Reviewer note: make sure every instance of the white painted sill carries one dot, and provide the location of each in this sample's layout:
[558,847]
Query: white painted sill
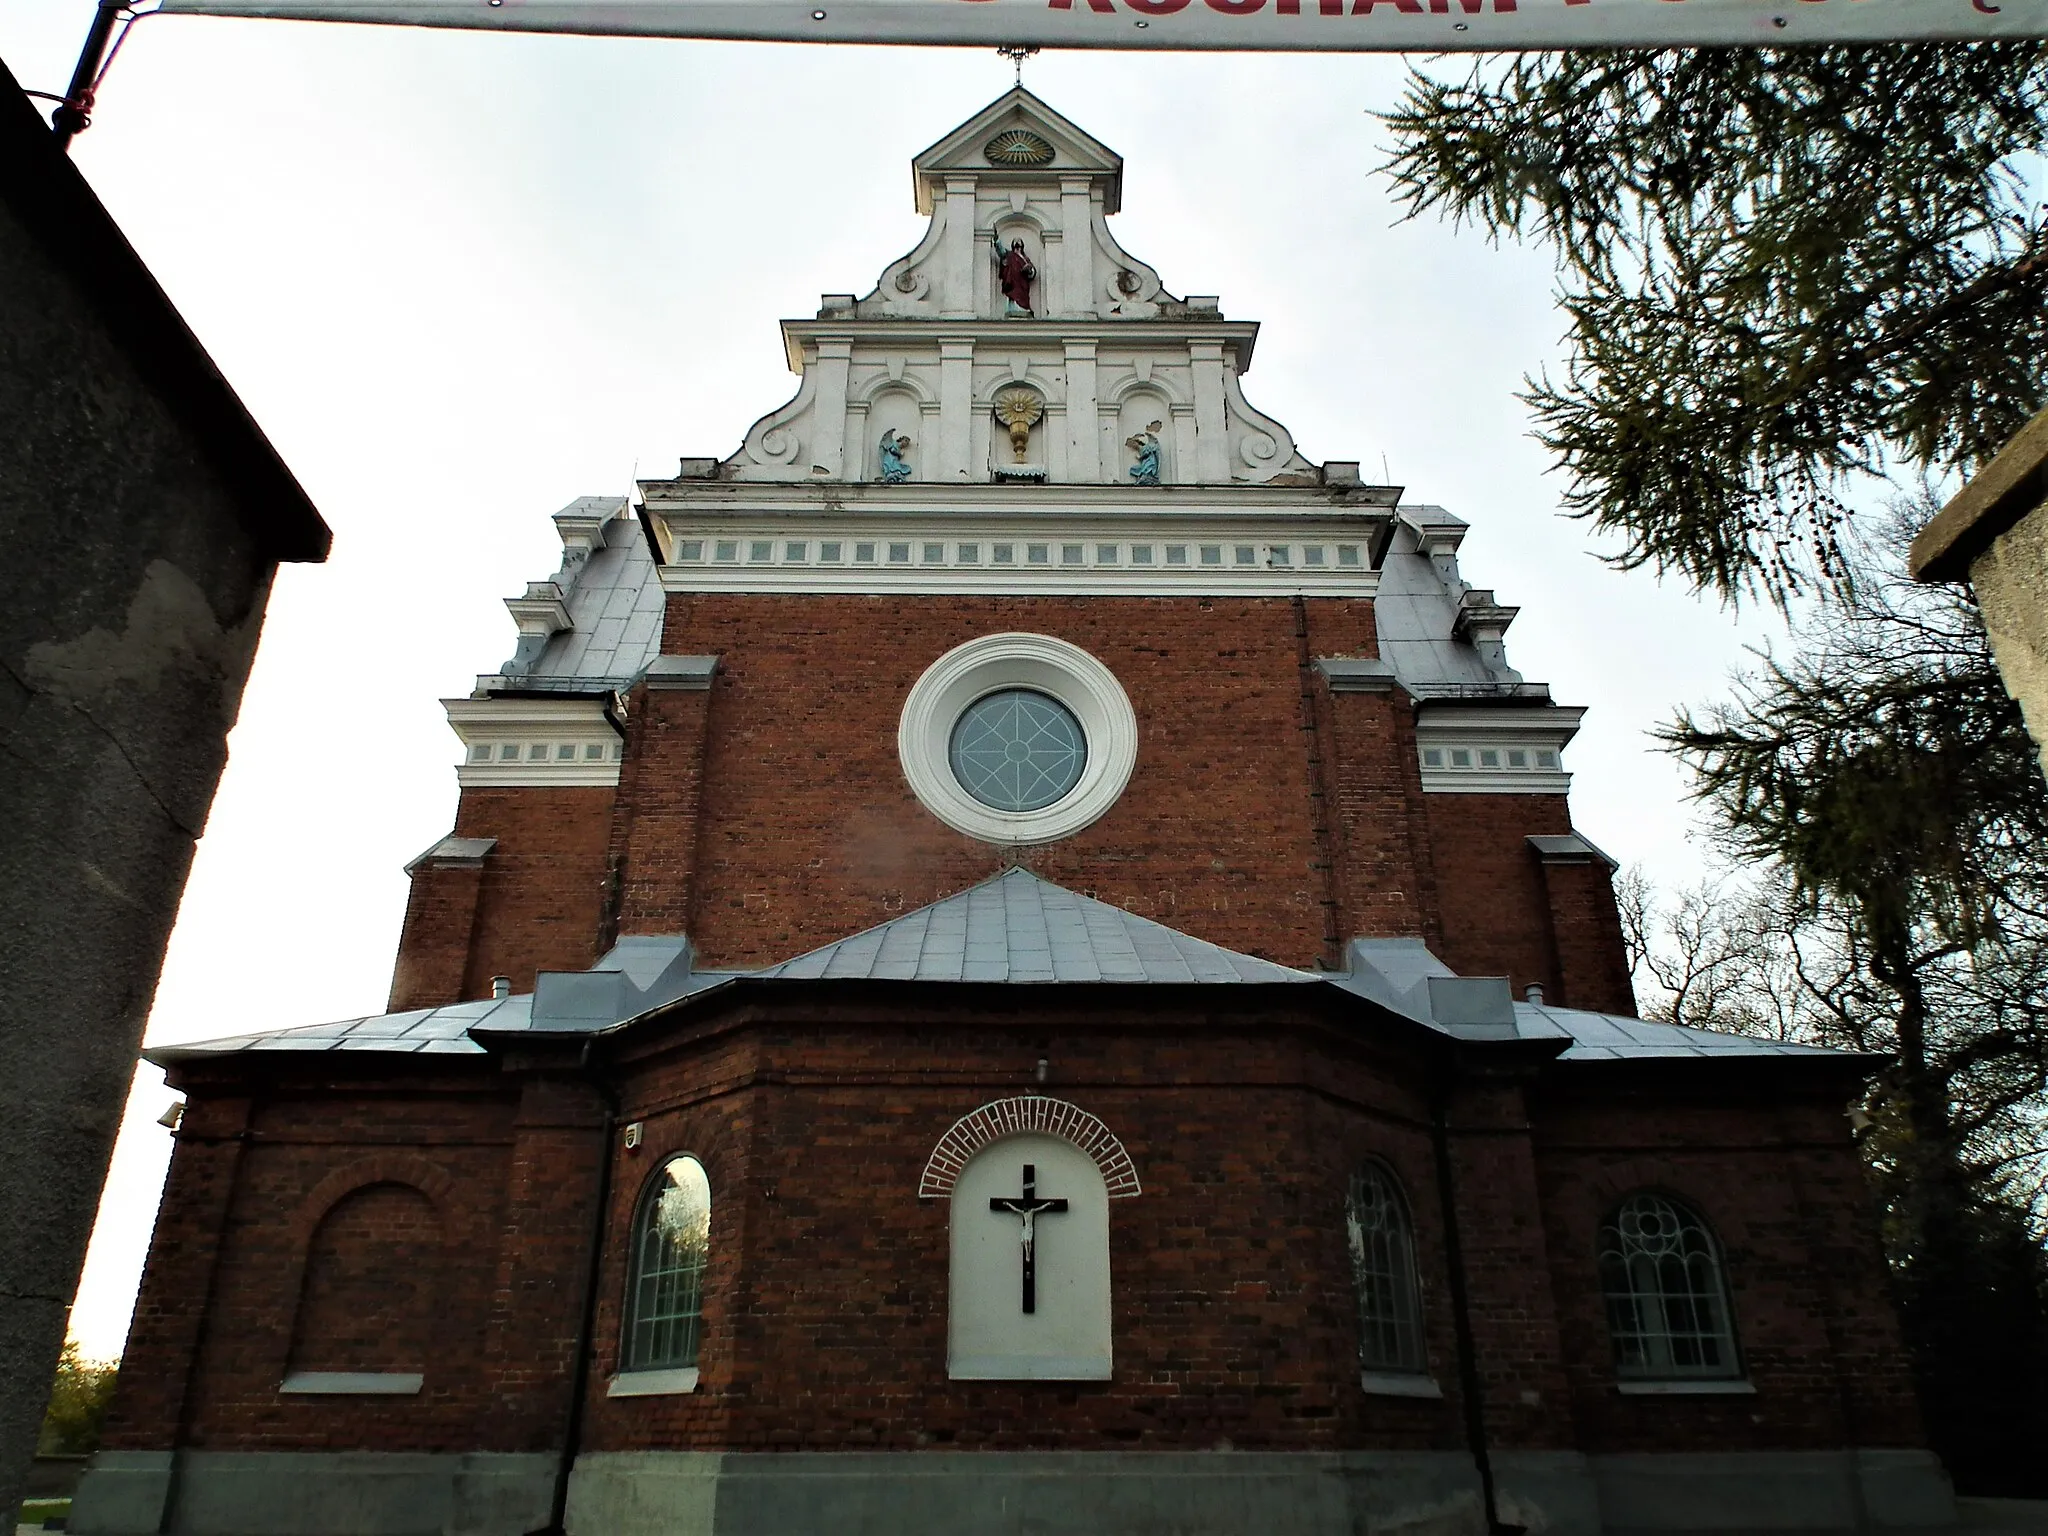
[1702,1388]
[653,1383]
[1398,1384]
[351,1384]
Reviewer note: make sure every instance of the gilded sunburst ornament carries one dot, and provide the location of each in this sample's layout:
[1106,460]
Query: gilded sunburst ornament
[1017,146]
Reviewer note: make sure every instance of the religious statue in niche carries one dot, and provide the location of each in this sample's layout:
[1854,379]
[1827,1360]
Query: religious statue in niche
[895,468]
[1146,446]
[1019,410]
[1016,275]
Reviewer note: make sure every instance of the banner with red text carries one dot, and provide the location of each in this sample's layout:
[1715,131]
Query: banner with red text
[1424,26]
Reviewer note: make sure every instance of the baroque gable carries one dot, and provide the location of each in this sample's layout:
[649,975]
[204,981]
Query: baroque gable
[939,375]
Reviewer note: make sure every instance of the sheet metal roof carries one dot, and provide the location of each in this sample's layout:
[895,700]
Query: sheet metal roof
[615,605]
[1019,928]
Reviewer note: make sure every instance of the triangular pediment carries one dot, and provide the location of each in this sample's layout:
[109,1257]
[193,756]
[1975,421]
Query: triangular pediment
[1075,151]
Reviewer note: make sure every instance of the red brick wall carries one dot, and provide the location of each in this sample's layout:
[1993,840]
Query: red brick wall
[1585,925]
[1495,909]
[373,1284]
[543,885]
[1779,1184]
[808,831]
[825,1310]
[439,931]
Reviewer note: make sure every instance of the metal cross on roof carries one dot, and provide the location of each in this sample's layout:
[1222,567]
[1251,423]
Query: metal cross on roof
[1017,53]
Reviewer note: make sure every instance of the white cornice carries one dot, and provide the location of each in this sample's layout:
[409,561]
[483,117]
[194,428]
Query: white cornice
[1479,749]
[1170,554]
[1050,333]
[534,742]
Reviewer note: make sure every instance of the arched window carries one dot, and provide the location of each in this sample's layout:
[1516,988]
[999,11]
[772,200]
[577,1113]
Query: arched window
[1667,1303]
[671,1244]
[1383,1264]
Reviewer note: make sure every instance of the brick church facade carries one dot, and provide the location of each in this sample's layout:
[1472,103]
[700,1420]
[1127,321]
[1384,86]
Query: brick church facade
[1013,958]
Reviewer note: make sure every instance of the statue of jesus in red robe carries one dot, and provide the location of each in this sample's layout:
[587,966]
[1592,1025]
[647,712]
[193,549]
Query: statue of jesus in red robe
[1015,273]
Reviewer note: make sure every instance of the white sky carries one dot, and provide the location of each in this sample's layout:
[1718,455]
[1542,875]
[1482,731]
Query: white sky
[462,278]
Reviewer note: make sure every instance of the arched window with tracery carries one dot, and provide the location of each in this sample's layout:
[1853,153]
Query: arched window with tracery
[671,1246]
[1382,1241]
[1667,1298]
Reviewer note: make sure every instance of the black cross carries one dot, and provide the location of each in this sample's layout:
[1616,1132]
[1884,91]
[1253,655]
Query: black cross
[1026,1208]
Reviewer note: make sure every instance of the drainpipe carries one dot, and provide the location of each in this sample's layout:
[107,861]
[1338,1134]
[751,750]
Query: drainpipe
[586,1328]
[1461,1310]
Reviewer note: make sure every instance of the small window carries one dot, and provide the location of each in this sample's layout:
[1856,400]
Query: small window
[1546,759]
[935,554]
[1460,758]
[690,549]
[593,752]
[969,554]
[1212,554]
[1246,554]
[671,1247]
[619,752]
[1105,554]
[761,550]
[863,552]
[565,752]
[1489,757]
[796,550]
[1312,554]
[1073,554]
[1003,554]
[1141,554]
[1347,554]
[1667,1300]
[1382,1242]
[728,549]
[1432,757]
[537,752]
[899,554]
[508,753]
[1176,554]
[479,754]
[1517,758]
[1038,554]
[1280,554]
[830,551]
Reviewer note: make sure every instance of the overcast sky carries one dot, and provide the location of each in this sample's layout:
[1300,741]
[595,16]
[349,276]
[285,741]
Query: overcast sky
[462,278]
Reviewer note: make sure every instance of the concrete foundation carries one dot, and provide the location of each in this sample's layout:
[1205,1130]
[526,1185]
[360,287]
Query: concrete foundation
[1224,1493]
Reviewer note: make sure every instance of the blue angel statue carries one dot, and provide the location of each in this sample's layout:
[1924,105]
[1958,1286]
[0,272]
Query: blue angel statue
[1146,470]
[895,469]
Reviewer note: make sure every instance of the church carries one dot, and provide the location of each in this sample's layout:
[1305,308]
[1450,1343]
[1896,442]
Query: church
[1013,958]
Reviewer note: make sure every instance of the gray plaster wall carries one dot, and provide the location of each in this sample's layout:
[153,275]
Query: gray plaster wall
[135,592]
[2011,582]
[314,1493]
[931,1493]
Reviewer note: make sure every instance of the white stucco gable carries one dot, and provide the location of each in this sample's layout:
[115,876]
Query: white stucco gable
[1102,373]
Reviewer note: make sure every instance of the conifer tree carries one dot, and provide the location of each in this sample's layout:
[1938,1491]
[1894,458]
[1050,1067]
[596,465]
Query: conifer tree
[1782,270]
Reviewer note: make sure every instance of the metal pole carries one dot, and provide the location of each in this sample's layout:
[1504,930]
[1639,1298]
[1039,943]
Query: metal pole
[75,115]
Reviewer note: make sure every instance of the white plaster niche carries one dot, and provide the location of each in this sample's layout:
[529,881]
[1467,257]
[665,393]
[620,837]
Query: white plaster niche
[1144,409]
[895,412]
[1008,228]
[1065,1337]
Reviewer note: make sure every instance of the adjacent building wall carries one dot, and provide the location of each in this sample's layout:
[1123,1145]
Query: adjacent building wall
[144,514]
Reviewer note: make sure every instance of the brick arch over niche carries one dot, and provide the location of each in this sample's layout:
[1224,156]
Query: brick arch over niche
[1011,1117]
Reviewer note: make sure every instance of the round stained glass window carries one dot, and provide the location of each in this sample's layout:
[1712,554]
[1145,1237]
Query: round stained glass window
[1018,750]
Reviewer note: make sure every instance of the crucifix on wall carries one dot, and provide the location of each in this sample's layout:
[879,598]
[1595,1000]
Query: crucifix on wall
[1027,1208]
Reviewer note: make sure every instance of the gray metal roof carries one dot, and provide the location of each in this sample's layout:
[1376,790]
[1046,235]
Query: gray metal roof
[1415,612]
[1019,928]
[1611,1037]
[615,605]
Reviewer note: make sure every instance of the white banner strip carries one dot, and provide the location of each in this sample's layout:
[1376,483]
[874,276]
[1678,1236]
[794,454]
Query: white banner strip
[1410,26]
